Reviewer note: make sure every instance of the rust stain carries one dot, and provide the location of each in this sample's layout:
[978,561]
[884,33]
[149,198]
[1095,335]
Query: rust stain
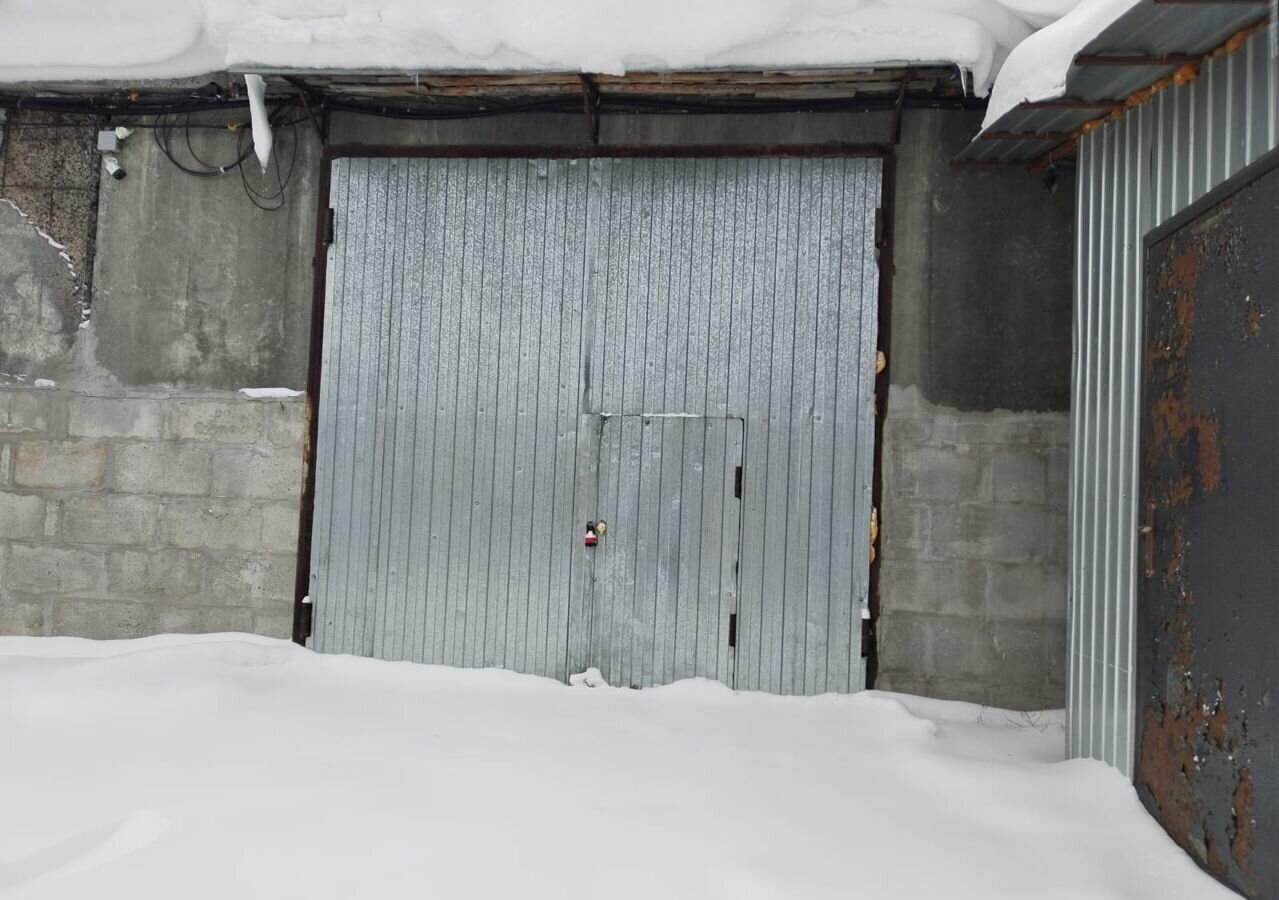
[1179,279]
[1252,317]
[1209,453]
[1244,837]
[1170,419]
[1173,421]
[1179,492]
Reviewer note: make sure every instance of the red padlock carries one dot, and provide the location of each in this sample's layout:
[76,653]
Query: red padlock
[591,538]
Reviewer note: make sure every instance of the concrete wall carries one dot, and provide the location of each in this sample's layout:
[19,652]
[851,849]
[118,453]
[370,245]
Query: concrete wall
[973,539]
[48,186]
[125,515]
[196,291]
[973,578]
[140,493]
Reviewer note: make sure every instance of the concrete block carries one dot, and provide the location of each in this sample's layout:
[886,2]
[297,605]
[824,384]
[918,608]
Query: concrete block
[101,619]
[201,619]
[1031,654]
[904,531]
[274,624]
[162,469]
[1009,430]
[114,417]
[262,581]
[43,569]
[222,421]
[172,574]
[1057,463]
[997,533]
[109,519]
[901,683]
[931,473]
[60,464]
[200,525]
[951,587]
[21,516]
[24,412]
[52,515]
[905,642]
[280,529]
[21,617]
[249,473]
[963,648]
[1020,475]
[286,423]
[901,431]
[966,690]
[1031,592]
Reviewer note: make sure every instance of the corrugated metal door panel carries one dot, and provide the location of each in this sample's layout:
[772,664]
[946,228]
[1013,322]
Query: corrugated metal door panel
[449,398]
[1136,173]
[665,569]
[779,329]
[477,307]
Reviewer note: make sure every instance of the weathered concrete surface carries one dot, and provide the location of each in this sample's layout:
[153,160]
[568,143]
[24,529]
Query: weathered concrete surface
[973,578]
[48,194]
[194,286]
[39,296]
[116,520]
[981,298]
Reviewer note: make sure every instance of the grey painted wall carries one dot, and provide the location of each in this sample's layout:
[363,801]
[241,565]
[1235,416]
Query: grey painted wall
[195,291]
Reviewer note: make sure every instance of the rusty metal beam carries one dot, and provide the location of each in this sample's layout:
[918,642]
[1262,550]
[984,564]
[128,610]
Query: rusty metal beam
[1070,103]
[1138,60]
[1036,136]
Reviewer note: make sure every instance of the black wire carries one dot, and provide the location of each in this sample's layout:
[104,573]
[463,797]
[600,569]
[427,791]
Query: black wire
[272,200]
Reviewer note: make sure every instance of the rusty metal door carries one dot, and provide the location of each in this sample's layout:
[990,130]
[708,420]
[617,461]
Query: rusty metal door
[1208,613]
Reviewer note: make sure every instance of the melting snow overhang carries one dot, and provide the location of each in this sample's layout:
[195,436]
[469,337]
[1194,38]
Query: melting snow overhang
[1153,42]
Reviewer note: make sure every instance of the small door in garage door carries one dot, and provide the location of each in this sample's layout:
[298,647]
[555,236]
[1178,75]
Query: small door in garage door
[664,592]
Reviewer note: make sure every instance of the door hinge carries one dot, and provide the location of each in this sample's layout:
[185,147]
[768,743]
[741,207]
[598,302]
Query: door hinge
[330,223]
[737,482]
[879,228]
[732,629]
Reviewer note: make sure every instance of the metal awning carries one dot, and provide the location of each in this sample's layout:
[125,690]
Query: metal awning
[1147,44]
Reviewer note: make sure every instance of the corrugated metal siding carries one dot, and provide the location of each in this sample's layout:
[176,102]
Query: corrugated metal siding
[483,314]
[1135,173]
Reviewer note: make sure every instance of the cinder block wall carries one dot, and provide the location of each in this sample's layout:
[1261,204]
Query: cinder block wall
[974,570]
[122,516]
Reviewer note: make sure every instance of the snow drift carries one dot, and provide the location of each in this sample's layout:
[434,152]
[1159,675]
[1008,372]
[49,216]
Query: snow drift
[234,766]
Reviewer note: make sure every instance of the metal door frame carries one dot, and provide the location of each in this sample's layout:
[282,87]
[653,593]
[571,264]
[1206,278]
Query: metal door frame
[885,151]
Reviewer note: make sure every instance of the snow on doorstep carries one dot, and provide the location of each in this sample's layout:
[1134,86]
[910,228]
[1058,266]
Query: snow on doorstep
[269,393]
[1037,68]
[235,766]
[71,39]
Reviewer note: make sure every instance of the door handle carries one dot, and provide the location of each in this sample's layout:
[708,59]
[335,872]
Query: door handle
[1147,531]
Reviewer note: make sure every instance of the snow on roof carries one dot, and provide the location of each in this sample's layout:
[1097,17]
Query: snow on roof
[48,40]
[1037,68]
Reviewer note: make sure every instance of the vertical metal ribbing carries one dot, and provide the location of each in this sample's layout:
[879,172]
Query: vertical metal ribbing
[1135,173]
[460,439]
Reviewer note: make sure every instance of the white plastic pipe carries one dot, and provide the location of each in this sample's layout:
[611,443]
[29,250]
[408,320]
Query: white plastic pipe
[258,121]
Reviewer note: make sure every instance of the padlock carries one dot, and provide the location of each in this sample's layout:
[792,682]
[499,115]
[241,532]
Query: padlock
[591,538]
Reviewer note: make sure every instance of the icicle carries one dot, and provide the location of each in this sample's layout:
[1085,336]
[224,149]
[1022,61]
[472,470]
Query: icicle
[258,119]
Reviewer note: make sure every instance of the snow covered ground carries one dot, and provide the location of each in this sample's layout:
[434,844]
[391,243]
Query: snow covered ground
[237,767]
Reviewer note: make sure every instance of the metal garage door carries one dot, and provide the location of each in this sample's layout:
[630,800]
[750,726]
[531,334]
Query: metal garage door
[514,348]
